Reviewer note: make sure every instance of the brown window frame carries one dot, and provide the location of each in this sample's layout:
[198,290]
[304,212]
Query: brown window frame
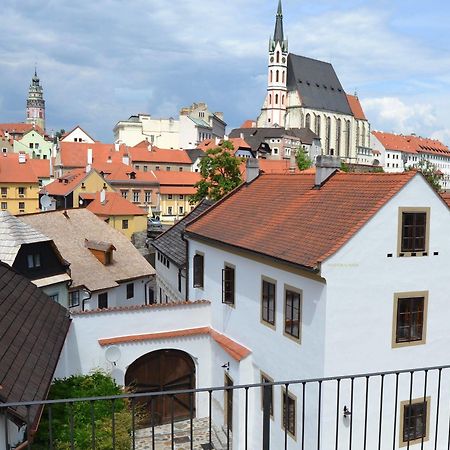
[289,322]
[417,435]
[416,233]
[228,285]
[130,290]
[287,408]
[198,270]
[268,301]
[266,379]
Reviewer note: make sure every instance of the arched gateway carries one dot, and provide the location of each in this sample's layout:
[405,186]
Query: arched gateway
[164,370]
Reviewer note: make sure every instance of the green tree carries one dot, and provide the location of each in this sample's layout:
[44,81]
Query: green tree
[430,172]
[303,160]
[220,172]
[97,384]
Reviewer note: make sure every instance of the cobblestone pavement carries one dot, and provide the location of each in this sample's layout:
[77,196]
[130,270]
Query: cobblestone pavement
[181,436]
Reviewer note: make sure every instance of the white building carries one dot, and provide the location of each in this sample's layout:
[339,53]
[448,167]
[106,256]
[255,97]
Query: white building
[304,92]
[195,123]
[400,152]
[77,135]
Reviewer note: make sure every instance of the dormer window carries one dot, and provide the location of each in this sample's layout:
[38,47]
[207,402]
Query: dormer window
[34,261]
[103,251]
[132,175]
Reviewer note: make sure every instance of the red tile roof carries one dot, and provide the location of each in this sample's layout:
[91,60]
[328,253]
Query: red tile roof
[173,178]
[21,128]
[248,124]
[117,171]
[67,183]
[325,218]
[141,153]
[115,205]
[238,143]
[41,167]
[74,154]
[411,143]
[235,350]
[356,107]
[11,171]
[446,197]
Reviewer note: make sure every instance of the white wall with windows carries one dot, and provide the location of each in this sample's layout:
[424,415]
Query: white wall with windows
[170,280]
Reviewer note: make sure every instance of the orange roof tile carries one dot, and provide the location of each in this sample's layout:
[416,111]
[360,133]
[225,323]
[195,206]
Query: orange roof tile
[177,178]
[41,167]
[446,197]
[178,190]
[235,350]
[141,153]
[411,143]
[11,171]
[325,218]
[115,205]
[20,128]
[356,107]
[238,143]
[117,171]
[67,183]
[74,154]
[248,124]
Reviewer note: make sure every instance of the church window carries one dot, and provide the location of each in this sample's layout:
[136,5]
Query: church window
[308,121]
[271,76]
[318,126]
[338,137]
[363,137]
[278,57]
[276,99]
[282,75]
[347,139]
[357,134]
[277,76]
[270,99]
[282,100]
[328,135]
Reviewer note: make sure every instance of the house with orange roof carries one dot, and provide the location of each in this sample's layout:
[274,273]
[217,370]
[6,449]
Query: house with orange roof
[175,189]
[117,211]
[19,184]
[6,143]
[67,191]
[241,148]
[307,270]
[35,144]
[17,130]
[399,152]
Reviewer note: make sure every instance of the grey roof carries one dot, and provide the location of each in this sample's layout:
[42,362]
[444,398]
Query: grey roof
[171,242]
[13,234]
[195,153]
[317,84]
[69,235]
[255,136]
[278,35]
[33,329]
[200,122]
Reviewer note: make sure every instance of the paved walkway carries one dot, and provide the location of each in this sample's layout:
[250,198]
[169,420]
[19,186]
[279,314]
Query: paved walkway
[182,439]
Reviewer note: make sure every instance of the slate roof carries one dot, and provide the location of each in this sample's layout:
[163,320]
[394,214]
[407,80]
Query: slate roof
[317,84]
[13,234]
[171,242]
[33,329]
[195,153]
[69,233]
[298,224]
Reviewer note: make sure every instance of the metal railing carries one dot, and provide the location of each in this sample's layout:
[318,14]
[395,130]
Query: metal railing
[386,410]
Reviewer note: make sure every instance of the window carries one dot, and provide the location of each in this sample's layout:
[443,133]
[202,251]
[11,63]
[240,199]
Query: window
[267,379]
[288,412]
[268,302]
[124,193]
[292,313]
[21,191]
[308,121]
[125,224]
[21,206]
[34,261]
[156,167]
[181,197]
[180,169]
[410,311]
[169,210]
[145,168]
[136,196]
[148,196]
[74,299]
[228,285]
[103,300]
[168,168]
[4,191]
[130,290]
[170,196]
[198,270]
[4,205]
[413,233]
[180,210]
[415,421]
[54,297]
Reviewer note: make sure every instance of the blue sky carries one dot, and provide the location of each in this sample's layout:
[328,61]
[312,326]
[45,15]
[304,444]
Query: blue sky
[102,61]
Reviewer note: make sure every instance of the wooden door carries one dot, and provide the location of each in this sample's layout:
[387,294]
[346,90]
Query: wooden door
[160,371]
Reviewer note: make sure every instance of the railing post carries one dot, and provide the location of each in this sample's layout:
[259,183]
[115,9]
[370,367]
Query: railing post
[267,401]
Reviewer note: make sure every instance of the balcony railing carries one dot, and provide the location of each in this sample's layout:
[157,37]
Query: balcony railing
[389,410]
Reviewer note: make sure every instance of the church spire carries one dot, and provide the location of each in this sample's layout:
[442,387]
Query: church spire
[278,35]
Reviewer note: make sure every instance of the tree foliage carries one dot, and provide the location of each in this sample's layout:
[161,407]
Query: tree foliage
[303,160]
[220,172]
[96,384]
[430,172]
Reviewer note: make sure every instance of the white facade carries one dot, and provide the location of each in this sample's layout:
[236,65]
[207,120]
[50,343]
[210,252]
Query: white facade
[170,281]
[78,135]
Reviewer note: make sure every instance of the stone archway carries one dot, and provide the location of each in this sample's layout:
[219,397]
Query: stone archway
[160,371]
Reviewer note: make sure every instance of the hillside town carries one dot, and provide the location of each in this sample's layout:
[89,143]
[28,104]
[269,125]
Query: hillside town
[298,302]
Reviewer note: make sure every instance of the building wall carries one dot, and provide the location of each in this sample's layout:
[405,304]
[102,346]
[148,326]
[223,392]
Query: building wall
[147,166]
[136,224]
[78,135]
[167,280]
[13,199]
[59,289]
[34,145]
[174,207]
[127,191]
[15,434]
[93,183]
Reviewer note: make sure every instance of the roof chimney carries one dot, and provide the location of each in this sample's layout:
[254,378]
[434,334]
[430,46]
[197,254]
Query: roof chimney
[22,158]
[241,135]
[251,169]
[126,159]
[116,146]
[103,196]
[89,156]
[109,160]
[325,167]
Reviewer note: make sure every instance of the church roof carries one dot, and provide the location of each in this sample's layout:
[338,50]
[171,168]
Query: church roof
[356,107]
[317,84]
[278,35]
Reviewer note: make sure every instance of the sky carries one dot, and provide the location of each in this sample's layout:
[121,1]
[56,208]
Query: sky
[102,61]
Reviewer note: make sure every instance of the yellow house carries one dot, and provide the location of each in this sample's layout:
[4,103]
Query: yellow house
[19,185]
[68,190]
[120,213]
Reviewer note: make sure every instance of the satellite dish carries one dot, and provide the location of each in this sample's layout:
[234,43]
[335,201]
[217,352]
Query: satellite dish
[45,201]
[112,354]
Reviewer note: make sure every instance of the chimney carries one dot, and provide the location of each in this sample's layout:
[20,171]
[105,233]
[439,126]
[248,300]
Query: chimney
[109,160]
[88,168]
[251,169]
[103,196]
[241,135]
[116,146]
[22,158]
[325,167]
[126,159]
[150,147]
[89,156]
[292,163]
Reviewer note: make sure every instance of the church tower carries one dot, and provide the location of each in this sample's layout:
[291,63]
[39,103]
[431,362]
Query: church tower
[36,103]
[274,110]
